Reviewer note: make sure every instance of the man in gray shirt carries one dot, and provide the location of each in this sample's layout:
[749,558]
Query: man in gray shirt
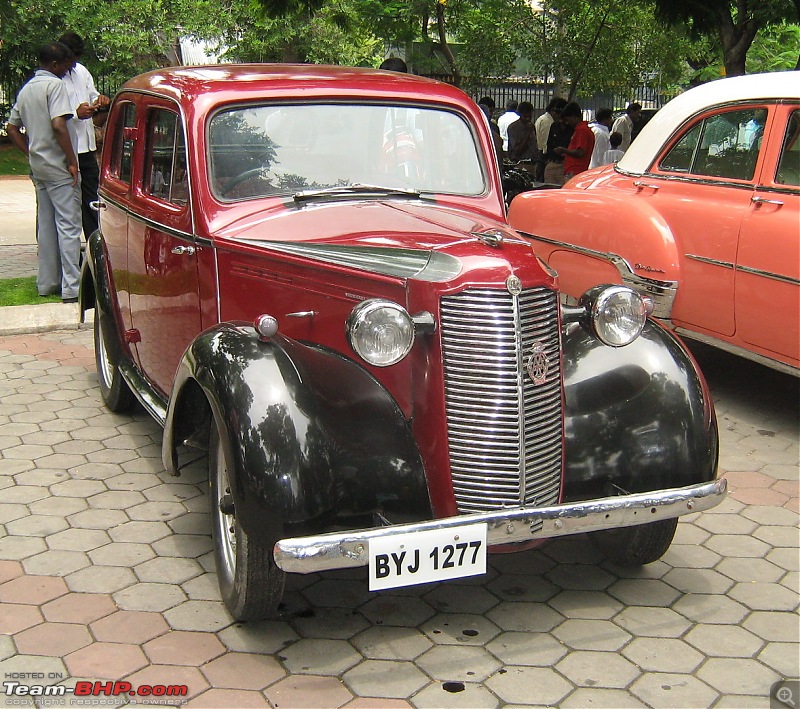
[44,109]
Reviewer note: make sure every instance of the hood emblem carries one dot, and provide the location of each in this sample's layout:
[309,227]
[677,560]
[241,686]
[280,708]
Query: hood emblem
[538,364]
[490,237]
[514,285]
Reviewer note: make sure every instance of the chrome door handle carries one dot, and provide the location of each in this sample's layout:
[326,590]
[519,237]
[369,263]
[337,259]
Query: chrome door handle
[183,250]
[97,205]
[763,200]
[641,185]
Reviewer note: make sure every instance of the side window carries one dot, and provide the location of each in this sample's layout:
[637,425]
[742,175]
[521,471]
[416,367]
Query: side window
[165,160]
[724,145]
[789,165]
[122,159]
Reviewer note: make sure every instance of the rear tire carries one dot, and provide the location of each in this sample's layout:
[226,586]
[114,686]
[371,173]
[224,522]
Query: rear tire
[635,546]
[116,394]
[249,581]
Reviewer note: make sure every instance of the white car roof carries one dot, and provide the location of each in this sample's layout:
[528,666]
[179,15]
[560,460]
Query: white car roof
[780,84]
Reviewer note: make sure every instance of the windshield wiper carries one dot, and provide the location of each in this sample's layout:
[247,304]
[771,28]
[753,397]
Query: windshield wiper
[356,190]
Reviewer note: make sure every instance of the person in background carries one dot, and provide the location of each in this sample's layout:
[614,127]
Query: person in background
[44,110]
[624,124]
[506,120]
[394,64]
[487,105]
[521,135]
[601,126]
[579,151]
[542,127]
[559,137]
[91,108]
[613,154]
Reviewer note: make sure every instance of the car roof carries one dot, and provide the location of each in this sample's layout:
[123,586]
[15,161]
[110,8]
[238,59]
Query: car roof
[753,87]
[220,83]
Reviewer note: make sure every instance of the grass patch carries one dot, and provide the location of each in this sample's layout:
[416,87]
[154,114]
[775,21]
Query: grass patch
[12,161]
[22,291]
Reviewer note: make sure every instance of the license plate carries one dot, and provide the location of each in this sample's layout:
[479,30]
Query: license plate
[422,557]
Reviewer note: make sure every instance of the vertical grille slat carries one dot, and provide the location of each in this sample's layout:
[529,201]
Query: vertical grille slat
[505,445]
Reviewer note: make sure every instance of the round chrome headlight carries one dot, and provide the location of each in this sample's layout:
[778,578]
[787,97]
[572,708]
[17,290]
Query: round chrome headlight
[617,314]
[380,332]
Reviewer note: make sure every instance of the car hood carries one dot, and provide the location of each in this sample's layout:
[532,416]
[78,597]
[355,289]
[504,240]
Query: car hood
[407,239]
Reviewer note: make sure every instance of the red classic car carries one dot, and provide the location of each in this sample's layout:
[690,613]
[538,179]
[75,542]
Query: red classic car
[305,275]
[702,213]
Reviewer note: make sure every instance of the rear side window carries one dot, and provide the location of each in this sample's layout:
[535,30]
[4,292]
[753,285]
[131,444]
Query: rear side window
[122,159]
[165,160]
[789,165]
[726,144]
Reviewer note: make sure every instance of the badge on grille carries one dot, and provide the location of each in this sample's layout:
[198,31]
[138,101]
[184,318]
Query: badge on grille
[538,364]
[514,285]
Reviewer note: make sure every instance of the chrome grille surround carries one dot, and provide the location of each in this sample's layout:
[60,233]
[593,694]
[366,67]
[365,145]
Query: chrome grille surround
[504,432]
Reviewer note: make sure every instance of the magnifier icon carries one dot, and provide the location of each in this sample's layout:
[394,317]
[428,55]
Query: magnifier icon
[784,695]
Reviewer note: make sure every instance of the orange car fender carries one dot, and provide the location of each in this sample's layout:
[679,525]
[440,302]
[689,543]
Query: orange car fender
[599,236]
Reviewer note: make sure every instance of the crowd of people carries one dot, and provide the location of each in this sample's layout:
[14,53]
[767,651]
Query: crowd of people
[560,143]
[53,122]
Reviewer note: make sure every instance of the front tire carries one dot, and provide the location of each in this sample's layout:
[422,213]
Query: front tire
[250,583]
[116,394]
[635,546]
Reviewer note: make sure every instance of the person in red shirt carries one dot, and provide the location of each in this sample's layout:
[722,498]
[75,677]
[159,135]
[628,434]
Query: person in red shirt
[579,152]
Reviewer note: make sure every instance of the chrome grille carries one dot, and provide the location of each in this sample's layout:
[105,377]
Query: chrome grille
[504,431]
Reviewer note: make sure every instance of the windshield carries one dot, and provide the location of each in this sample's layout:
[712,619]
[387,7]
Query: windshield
[257,151]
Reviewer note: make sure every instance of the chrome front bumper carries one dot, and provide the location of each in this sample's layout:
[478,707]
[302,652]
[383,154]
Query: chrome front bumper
[344,550]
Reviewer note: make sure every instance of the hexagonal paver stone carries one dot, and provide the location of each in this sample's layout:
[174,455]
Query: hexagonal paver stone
[778,626]
[452,663]
[78,608]
[391,643]
[673,691]
[518,649]
[100,579]
[55,639]
[759,570]
[724,641]
[187,546]
[36,525]
[150,597]
[598,669]
[691,556]
[16,548]
[663,655]
[449,695]
[705,608]
[652,622]
[32,589]
[266,636]
[334,623]
[519,588]
[644,592]
[737,545]
[141,532]
[764,596]
[319,657]
[737,675]
[389,609]
[591,635]
[781,657]
[532,617]
[78,539]
[97,519]
[56,563]
[698,581]
[198,615]
[129,626]
[596,605]
[308,691]
[460,598]
[18,616]
[105,660]
[385,679]
[51,667]
[156,511]
[340,593]
[529,685]
[600,698]
[172,675]
[121,554]
[457,629]
[243,670]
[184,648]
[580,577]
[168,569]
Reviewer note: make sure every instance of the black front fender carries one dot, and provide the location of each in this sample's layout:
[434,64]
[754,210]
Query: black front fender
[306,432]
[638,418]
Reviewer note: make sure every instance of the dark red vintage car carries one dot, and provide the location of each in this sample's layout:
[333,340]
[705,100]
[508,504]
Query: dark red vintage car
[306,274]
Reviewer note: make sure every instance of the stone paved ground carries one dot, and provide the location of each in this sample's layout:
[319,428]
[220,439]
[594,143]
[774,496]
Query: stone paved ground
[106,573]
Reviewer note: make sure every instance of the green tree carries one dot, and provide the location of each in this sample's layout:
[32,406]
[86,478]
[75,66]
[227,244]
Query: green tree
[734,23]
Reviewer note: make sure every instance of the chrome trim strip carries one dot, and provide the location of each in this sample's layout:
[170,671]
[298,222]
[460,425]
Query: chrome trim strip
[662,292]
[150,222]
[523,463]
[144,392]
[769,274]
[341,550]
[711,261]
[418,264]
[739,352]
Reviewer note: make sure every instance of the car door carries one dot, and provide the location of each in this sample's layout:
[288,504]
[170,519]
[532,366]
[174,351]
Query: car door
[162,260]
[702,184]
[768,261]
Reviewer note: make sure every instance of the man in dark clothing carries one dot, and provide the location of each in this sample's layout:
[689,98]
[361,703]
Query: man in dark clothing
[559,137]
[522,136]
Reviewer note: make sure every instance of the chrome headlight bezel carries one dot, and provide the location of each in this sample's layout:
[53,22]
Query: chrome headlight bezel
[362,326]
[615,314]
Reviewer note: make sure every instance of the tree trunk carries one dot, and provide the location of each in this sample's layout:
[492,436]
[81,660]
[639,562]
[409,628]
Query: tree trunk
[736,40]
[443,46]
